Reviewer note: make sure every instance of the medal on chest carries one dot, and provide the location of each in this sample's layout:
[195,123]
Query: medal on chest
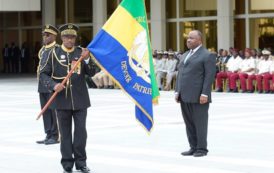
[78,68]
[63,58]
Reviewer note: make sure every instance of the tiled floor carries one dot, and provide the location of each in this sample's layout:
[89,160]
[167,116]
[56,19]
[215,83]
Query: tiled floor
[241,134]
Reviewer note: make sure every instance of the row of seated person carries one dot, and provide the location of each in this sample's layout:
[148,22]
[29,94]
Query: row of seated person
[165,66]
[261,84]
[102,80]
[251,74]
[248,74]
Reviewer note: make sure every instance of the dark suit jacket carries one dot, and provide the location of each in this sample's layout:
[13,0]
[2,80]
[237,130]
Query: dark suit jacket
[195,77]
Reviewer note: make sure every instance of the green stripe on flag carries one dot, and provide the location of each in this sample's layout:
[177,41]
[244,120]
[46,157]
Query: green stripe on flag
[138,11]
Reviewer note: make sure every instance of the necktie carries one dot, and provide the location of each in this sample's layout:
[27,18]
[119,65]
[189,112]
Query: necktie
[188,55]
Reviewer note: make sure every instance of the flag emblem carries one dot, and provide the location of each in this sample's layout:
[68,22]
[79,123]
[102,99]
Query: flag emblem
[122,49]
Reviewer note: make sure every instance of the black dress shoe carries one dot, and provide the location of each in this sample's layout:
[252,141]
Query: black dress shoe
[111,87]
[51,141]
[199,153]
[189,152]
[42,141]
[84,169]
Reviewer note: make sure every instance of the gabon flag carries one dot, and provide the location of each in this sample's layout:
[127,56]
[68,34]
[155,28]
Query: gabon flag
[122,49]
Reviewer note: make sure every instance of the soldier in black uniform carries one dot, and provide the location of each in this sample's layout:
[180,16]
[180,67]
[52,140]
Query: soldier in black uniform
[49,118]
[72,100]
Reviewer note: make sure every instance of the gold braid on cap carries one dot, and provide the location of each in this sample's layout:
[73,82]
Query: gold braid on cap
[50,31]
[69,32]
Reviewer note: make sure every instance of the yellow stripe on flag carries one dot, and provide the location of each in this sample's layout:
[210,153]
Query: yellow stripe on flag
[123,27]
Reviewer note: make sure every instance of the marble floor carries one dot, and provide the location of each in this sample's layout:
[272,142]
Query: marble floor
[240,138]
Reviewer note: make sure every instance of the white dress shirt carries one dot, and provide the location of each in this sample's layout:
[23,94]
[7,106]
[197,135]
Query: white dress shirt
[247,64]
[171,65]
[233,64]
[272,67]
[264,66]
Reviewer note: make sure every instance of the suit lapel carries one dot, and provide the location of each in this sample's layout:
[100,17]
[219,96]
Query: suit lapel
[193,56]
[183,58]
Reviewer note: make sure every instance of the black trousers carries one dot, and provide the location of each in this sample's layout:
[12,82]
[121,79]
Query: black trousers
[73,149]
[49,118]
[196,120]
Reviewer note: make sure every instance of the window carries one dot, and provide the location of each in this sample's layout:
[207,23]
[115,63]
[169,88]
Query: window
[239,31]
[171,41]
[208,29]
[31,18]
[196,8]
[11,19]
[239,7]
[80,11]
[262,6]
[262,33]
[60,12]
[33,39]
[171,8]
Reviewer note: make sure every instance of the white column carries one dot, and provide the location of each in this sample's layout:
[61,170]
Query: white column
[48,12]
[247,30]
[19,30]
[99,14]
[158,24]
[225,24]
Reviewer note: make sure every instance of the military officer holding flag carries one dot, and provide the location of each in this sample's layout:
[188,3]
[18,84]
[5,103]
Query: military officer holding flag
[72,99]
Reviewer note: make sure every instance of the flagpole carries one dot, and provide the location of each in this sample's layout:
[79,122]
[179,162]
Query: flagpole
[63,83]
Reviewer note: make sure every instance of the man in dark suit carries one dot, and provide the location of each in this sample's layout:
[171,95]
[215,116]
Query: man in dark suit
[24,58]
[193,91]
[14,55]
[49,117]
[6,58]
[72,100]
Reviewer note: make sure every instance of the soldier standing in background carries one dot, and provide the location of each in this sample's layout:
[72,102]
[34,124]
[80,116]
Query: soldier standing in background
[24,58]
[14,55]
[49,117]
[6,58]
